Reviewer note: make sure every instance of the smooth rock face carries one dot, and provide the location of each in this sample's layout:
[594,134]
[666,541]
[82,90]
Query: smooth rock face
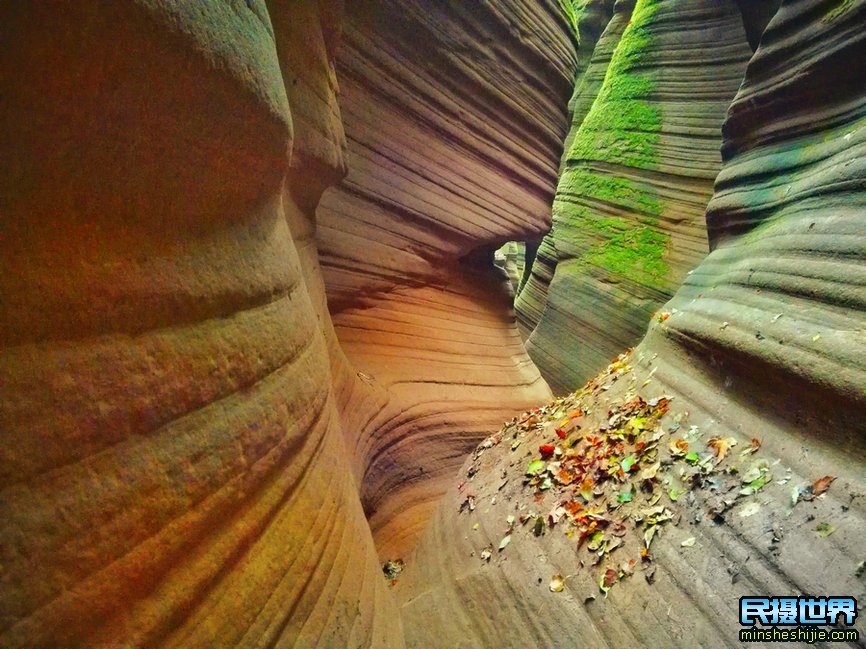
[765,340]
[186,452]
[455,116]
[628,213]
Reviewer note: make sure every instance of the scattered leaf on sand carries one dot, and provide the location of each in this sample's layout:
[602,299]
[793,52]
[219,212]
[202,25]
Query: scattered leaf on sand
[679,447]
[822,484]
[535,467]
[824,530]
[392,569]
[586,488]
[756,477]
[504,542]
[721,445]
[689,542]
[607,580]
[648,535]
[486,553]
[625,496]
[538,527]
[557,584]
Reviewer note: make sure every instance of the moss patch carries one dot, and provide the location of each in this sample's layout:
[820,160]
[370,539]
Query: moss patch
[622,127]
[837,9]
[636,253]
[615,190]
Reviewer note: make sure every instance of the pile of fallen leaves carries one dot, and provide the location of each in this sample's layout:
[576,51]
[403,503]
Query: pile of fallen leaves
[620,470]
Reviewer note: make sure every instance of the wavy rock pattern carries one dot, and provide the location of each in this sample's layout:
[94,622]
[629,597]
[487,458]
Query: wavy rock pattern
[628,213]
[186,448]
[455,116]
[532,300]
[171,459]
[765,339]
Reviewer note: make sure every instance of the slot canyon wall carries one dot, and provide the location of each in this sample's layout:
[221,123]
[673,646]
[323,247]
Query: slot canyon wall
[638,170]
[250,327]
[765,340]
[455,115]
[191,447]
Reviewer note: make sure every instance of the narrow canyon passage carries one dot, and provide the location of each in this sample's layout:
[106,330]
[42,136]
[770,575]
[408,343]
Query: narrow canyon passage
[507,323]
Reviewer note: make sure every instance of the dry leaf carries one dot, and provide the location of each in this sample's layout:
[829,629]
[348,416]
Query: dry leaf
[822,484]
[721,445]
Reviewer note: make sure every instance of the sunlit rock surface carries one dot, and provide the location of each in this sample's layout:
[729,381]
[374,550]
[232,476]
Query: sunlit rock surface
[764,340]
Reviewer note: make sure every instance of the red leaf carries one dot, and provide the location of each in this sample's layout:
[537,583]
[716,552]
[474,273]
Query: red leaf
[561,434]
[822,484]
[546,450]
[609,577]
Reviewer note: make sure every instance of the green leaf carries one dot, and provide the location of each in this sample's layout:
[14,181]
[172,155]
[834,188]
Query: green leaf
[535,467]
[824,530]
[595,541]
[628,462]
[504,542]
[692,458]
[626,496]
[673,494]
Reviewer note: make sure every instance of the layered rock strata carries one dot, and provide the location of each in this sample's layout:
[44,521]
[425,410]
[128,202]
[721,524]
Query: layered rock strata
[455,117]
[628,213]
[763,341]
[184,443]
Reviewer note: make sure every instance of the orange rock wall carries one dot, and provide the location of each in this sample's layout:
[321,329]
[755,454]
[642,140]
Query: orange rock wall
[455,117]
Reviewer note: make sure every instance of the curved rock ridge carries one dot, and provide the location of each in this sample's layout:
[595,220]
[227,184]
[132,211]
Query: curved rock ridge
[532,299]
[454,115]
[172,469]
[763,341]
[628,213]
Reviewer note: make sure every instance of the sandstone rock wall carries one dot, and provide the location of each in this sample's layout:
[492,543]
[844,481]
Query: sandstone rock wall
[455,115]
[172,459]
[628,213]
[764,340]
[184,444]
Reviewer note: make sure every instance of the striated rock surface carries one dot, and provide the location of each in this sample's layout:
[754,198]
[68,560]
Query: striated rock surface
[455,116]
[764,340]
[628,213]
[172,469]
[190,447]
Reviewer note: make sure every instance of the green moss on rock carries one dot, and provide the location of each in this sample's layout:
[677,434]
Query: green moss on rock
[622,126]
[637,254]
